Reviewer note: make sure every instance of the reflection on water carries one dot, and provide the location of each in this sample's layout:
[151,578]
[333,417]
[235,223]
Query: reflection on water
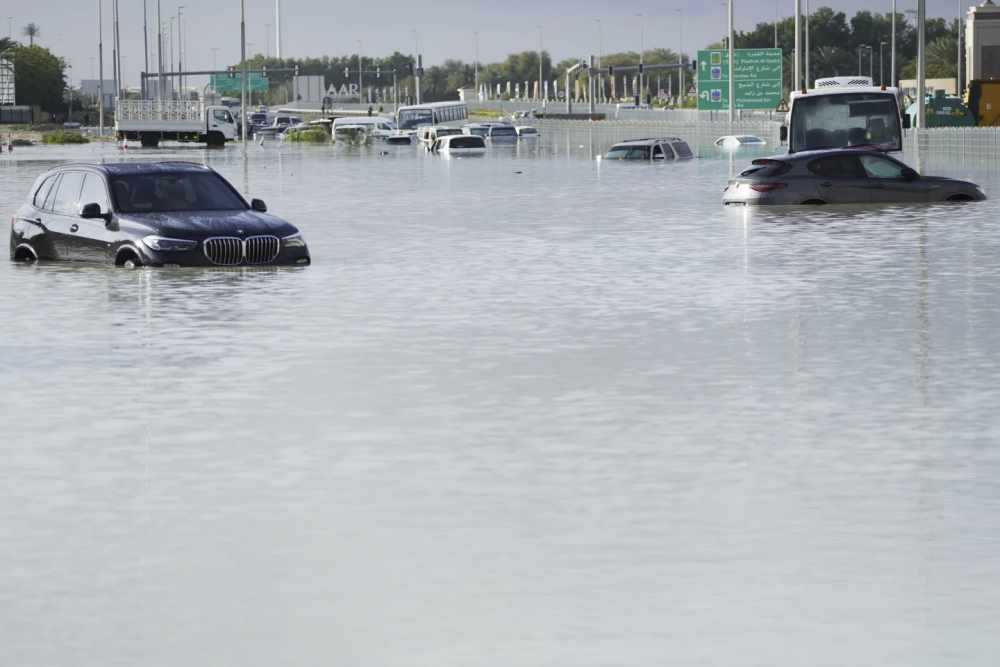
[527,409]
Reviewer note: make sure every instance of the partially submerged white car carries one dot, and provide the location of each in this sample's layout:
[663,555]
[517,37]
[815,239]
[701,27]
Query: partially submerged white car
[738,140]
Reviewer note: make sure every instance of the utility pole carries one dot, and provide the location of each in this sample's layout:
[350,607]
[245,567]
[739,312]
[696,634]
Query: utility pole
[732,79]
[159,53]
[805,52]
[180,52]
[359,73]
[243,75]
[540,94]
[277,28]
[114,47]
[267,40]
[145,53]
[641,50]
[775,23]
[958,29]
[798,47]
[680,60]
[892,58]
[921,64]
[881,64]
[477,62]
[861,49]
[100,57]
[600,54]
[871,66]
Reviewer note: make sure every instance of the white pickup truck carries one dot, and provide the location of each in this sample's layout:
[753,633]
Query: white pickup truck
[152,121]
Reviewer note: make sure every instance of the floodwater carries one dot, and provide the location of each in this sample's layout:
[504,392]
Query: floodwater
[523,410]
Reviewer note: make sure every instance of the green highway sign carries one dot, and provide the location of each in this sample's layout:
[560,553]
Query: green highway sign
[757,80]
[224,84]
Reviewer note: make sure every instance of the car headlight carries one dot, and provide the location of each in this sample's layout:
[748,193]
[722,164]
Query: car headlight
[293,241]
[167,245]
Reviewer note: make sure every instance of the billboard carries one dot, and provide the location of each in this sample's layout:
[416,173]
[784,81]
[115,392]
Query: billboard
[308,89]
[6,80]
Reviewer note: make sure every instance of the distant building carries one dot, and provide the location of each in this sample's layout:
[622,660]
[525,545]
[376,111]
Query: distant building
[468,94]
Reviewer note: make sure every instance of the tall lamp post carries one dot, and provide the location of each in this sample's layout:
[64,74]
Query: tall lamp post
[600,54]
[861,49]
[9,35]
[267,40]
[180,56]
[680,59]
[871,61]
[359,73]
[540,94]
[881,64]
[641,50]
[477,64]
[958,29]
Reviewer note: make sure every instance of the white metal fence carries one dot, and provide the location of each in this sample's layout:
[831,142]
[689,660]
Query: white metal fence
[159,110]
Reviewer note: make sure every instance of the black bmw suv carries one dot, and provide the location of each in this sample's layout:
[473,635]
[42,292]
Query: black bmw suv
[162,214]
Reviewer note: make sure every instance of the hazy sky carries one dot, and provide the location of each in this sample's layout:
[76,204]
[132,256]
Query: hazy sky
[316,28]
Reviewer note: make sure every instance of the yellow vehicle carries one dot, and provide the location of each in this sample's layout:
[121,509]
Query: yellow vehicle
[982,97]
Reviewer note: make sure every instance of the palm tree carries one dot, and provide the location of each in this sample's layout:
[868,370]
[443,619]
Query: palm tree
[6,44]
[436,80]
[828,61]
[31,31]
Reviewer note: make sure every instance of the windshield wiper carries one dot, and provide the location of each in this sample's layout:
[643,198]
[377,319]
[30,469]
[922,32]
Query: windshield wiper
[867,143]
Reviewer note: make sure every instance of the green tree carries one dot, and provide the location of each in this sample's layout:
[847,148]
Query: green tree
[435,83]
[827,61]
[942,56]
[38,77]
[7,44]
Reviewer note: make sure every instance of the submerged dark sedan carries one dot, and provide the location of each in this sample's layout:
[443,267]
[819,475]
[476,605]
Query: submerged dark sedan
[169,214]
[842,176]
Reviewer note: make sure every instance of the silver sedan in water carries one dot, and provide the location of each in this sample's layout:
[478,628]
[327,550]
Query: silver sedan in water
[847,176]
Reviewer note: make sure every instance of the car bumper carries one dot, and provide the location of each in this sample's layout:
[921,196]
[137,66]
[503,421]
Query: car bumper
[197,258]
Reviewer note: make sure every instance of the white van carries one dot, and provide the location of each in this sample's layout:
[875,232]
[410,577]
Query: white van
[428,134]
[376,126]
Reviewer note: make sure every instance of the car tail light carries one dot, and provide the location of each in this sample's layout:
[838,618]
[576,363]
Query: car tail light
[767,187]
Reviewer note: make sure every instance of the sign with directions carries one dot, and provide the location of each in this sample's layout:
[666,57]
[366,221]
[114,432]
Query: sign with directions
[757,79]
[223,84]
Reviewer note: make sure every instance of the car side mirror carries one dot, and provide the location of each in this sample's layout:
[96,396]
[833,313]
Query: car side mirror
[910,175]
[258,205]
[93,211]
[906,121]
[783,133]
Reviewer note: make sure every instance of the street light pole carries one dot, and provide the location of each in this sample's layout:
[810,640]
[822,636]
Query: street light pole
[243,75]
[892,57]
[861,49]
[881,64]
[9,34]
[277,29]
[805,51]
[540,94]
[641,50]
[145,52]
[267,40]
[100,57]
[732,79]
[871,66]
[798,48]
[477,63]
[958,30]
[359,73]
[600,53]
[180,58]
[680,59]
[159,53]
[215,67]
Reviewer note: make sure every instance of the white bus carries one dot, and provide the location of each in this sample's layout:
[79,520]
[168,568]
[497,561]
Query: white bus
[436,113]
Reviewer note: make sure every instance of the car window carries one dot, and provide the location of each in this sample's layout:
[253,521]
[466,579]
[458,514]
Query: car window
[161,193]
[628,153]
[94,192]
[658,153]
[68,193]
[51,197]
[682,149]
[881,167]
[767,168]
[838,166]
[223,115]
[43,191]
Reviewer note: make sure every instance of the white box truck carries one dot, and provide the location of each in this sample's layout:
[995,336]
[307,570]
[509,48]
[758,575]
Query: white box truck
[151,121]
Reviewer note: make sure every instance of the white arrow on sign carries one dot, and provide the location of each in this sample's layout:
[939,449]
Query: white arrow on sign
[703,65]
[704,95]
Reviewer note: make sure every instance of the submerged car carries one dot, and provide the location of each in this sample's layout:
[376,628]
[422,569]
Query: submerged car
[459,144]
[654,150]
[530,132]
[737,140]
[842,176]
[169,214]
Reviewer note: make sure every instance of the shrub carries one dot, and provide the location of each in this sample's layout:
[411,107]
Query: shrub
[314,135]
[63,137]
[356,138]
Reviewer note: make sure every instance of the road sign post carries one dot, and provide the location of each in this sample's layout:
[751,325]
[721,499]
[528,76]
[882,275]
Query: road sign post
[757,79]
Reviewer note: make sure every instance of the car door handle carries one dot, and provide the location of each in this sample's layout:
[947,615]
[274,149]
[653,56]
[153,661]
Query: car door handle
[74,227]
[826,184]
[880,186]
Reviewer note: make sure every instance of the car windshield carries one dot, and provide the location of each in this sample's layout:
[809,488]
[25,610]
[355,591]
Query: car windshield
[449,131]
[411,118]
[749,140]
[163,193]
[628,153]
[504,132]
[854,119]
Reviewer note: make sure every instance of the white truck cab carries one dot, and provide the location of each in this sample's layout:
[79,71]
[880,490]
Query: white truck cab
[845,111]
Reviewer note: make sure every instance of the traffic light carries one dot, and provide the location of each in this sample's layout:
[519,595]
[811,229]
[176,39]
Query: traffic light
[694,65]
[649,98]
[611,70]
[296,70]
[264,71]
[378,72]
[347,72]
[640,68]
[232,72]
[410,68]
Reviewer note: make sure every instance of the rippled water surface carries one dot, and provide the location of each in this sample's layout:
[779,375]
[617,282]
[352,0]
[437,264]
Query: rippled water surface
[528,409]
